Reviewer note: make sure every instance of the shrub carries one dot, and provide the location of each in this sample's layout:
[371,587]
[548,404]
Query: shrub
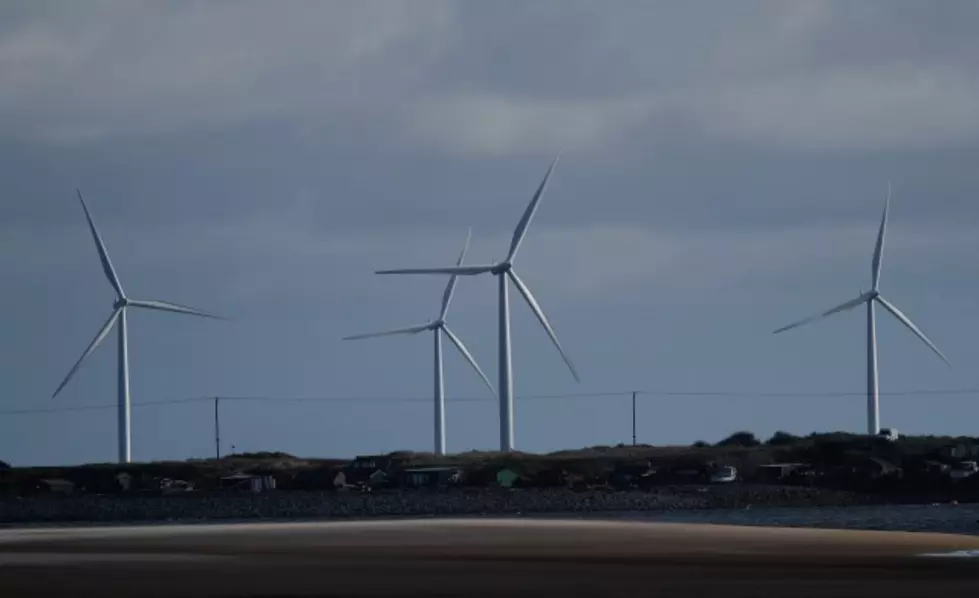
[781,438]
[742,438]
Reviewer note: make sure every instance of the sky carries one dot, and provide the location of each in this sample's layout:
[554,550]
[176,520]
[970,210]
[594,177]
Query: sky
[723,173]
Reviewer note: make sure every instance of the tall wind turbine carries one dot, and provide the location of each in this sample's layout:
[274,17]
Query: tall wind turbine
[870,298]
[504,270]
[119,308]
[437,328]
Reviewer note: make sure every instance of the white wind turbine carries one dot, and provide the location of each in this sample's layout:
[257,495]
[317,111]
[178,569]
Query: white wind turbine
[870,298]
[504,270]
[119,308]
[437,328]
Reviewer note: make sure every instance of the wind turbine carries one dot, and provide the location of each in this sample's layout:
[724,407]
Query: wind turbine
[119,308]
[504,270]
[438,327]
[870,298]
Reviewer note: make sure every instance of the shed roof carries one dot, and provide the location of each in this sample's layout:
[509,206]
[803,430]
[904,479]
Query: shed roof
[433,469]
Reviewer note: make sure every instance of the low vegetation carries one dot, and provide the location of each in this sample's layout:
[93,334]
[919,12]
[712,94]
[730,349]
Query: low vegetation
[837,457]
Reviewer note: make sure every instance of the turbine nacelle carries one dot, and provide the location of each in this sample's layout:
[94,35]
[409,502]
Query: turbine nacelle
[501,268]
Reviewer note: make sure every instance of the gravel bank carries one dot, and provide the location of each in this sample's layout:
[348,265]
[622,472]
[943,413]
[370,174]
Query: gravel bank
[329,505]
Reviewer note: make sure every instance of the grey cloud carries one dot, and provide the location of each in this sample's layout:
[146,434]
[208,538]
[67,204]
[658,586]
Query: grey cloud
[505,77]
[846,109]
[136,68]
[805,75]
[364,119]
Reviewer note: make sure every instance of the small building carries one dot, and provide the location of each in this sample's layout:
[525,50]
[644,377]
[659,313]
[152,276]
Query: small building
[432,477]
[875,468]
[631,475]
[373,478]
[961,451]
[371,463]
[723,474]
[890,434]
[686,474]
[125,481]
[926,467]
[377,479]
[243,482]
[778,472]
[56,486]
[371,471]
[506,477]
[169,486]
[322,477]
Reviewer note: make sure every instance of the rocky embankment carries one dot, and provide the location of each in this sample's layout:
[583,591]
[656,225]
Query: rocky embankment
[324,505]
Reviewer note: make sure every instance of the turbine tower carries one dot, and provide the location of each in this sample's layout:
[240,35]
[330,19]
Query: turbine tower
[119,308]
[870,298]
[438,327]
[504,271]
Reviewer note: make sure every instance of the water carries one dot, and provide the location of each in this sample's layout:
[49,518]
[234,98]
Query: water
[944,518]
[951,519]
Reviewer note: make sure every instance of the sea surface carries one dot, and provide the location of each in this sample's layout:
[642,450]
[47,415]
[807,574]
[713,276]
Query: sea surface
[942,518]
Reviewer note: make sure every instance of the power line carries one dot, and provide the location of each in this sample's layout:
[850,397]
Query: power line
[555,397]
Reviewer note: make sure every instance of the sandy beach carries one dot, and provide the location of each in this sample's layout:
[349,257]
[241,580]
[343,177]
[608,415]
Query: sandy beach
[493,557]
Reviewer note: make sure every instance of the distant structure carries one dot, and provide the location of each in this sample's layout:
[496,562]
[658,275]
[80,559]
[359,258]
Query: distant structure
[504,270]
[119,315]
[438,327]
[869,299]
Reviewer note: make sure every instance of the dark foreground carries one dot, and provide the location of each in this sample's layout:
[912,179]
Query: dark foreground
[474,558]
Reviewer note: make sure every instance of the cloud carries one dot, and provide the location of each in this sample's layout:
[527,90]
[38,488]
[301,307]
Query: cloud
[887,108]
[137,68]
[501,79]
[905,108]
[508,125]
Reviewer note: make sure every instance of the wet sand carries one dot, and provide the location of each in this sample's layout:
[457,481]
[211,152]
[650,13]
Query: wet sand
[493,557]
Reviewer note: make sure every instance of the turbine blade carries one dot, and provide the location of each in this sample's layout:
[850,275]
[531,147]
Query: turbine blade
[879,248]
[91,347]
[911,326]
[529,297]
[458,270]
[465,353]
[451,287]
[411,330]
[110,272]
[528,215]
[173,307]
[842,307]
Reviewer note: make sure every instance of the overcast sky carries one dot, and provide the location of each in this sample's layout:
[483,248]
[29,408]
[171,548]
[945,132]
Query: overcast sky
[724,170]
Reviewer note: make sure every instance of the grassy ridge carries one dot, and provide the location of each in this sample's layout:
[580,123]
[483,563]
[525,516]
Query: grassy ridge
[826,452]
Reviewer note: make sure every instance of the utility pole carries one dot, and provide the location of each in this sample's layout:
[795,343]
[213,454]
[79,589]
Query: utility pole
[217,428]
[633,418]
